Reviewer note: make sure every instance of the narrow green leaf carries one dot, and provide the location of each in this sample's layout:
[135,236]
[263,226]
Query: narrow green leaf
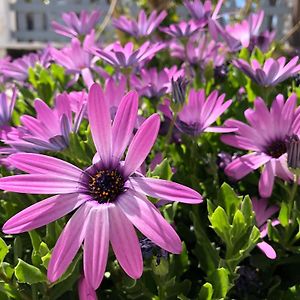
[206,292]
[26,273]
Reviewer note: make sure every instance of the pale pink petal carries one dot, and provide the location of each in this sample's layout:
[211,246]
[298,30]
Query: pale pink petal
[68,243]
[43,164]
[267,250]
[100,122]
[43,213]
[96,244]
[141,144]
[125,243]
[124,122]
[164,189]
[38,184]
[144,215]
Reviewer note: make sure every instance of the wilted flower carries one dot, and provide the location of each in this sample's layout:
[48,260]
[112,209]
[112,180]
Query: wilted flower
[200,112]
[126,57]
[143,27]
[77,26]
[271,73]
[48,131]
[153,83]
[262,213]
[109,197]
[265,137]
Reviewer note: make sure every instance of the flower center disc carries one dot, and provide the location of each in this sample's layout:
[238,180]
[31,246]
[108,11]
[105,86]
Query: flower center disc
[276,149]
[106,185]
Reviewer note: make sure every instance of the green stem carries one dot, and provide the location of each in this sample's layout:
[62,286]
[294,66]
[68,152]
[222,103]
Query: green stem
[291,206]
[170,131]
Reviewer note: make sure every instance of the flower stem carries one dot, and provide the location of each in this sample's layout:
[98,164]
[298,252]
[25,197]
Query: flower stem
[171,127]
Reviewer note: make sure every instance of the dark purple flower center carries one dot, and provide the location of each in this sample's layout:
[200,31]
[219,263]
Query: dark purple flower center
[276,148]
[106,185]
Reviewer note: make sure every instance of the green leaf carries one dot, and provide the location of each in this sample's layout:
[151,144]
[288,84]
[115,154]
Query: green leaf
[206,292]
[4,249]
[220,224]
[163,170]
[284,214]
[26,273]
[220,282]
[228,199]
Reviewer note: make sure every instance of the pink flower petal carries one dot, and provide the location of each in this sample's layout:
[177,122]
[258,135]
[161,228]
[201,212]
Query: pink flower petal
[124,123]
[267,250]
[125,243]
[100,122]
[164,189]
[42,213]
[96,245]
[42,164]
[38,184]
[266,181]
[85,291]
[68,243]
[144,215]
[141,144]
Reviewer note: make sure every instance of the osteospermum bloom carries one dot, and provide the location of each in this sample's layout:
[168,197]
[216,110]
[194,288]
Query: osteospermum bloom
[271,72]
[153,83]
[109,196]
[200,112]
[265,137]
[49,130]
[183,29]
[198,10]
[263,212]
[126,57]
[143,26]
[77,26]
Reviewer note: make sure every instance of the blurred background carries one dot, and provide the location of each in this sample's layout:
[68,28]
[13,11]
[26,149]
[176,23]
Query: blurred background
[26,24]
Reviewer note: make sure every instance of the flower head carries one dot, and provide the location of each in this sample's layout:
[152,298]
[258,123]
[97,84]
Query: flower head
[126,57]
[198,10]
[152,83]
[77,26]
[265,137]
[109,196]
[271,73]
[200,112]
[143,27]
[183,29]
[48,131]
[262,213]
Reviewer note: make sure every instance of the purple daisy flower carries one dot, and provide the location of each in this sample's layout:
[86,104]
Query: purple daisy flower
[126,57]
[143,27]
[18,68]
[109,197]
[183,29]
[77,26]
[152,83]
[200,112]
[48,131]
[266,138]
[76,59]
[271,73]
[198,10]
[263,212]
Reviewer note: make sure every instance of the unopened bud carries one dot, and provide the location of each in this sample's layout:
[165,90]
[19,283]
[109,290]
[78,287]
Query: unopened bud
[179,90]
[293,152]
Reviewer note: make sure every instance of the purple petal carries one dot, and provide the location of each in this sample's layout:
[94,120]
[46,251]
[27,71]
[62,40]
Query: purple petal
[68,243]
[96,245]
[141,144]
[38,184]
[100,122]
[237,169]
[148,220]
[124,123]
[85,291]
[125,243]
[42,164]
[164,189]
[267,250]
[42,213]
[266,181]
